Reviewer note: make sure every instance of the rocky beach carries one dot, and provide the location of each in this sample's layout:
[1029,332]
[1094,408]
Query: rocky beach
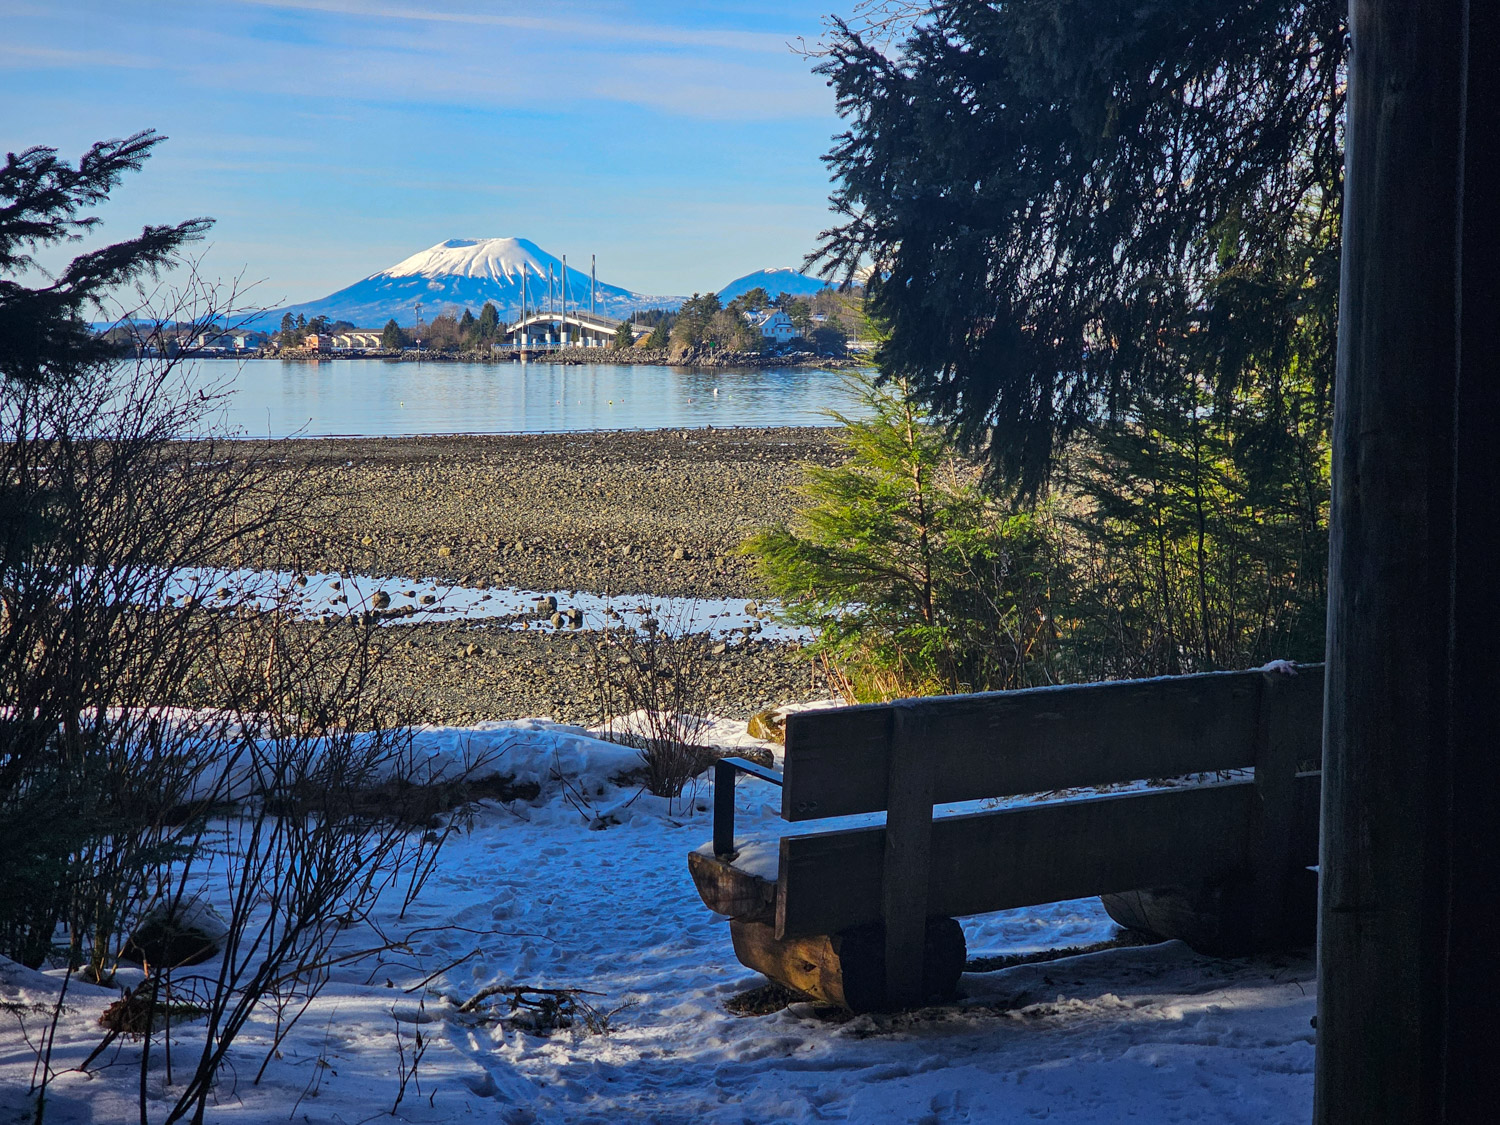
[621,514]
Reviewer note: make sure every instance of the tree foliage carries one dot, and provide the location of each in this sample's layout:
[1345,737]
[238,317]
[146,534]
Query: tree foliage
[752,300]
[660,335]
[1198,533]
[1062,199]
[703,322]
[488,329]
[44,333]
[916,580]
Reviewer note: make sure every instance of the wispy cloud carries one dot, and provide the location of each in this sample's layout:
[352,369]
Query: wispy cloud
[384,52]
[580,26]
[36,56]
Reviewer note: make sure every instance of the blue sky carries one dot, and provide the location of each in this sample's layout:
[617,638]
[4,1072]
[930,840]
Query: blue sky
[332,138]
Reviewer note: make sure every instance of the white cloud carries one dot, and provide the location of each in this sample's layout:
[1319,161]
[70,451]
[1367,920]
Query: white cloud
[381,51]
[586,27]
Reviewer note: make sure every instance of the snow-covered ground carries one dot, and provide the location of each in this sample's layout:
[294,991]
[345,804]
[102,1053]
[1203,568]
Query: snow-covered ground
[587,887]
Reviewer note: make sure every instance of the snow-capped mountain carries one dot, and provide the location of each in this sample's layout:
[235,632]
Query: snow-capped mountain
[465,273]
[774,281]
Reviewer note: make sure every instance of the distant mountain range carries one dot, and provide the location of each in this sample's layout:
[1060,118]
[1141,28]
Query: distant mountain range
[467,272]
[775,282]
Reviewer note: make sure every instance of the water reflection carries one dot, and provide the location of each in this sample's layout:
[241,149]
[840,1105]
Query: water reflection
[382,398]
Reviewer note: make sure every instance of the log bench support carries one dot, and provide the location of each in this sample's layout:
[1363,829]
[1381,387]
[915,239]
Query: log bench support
[849,969]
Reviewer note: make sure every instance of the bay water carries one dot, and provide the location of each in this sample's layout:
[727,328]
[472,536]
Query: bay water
[385,398]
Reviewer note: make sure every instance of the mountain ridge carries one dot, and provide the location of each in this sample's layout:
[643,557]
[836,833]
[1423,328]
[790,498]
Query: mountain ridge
[465,273]
[775,280]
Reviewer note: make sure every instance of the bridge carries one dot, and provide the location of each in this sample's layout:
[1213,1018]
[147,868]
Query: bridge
[545,329]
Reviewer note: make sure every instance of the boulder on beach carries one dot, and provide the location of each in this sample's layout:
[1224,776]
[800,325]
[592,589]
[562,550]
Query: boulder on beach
[768,725]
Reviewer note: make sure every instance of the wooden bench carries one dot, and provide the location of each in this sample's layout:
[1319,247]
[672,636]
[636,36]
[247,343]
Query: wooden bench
[864,916]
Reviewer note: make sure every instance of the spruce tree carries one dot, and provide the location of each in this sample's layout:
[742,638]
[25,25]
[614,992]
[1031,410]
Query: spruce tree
[489,322]
[1052,194]
[915,581]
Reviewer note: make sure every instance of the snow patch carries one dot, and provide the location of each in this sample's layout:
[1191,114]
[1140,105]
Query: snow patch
[555,895]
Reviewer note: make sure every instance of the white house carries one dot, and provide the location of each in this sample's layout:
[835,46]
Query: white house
[776,325]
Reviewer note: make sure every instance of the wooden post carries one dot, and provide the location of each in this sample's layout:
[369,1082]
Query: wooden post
[1271,827]
[724,809]
[908,852]
[1410,855]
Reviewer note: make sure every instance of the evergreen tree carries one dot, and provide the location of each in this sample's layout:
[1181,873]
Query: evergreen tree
[1200,531]
[392,339]
[623,337]
[660,335]
[750,301]
[468,329]
[914,579]
[489,323]
[690,328]
[44,334]
[1052,192]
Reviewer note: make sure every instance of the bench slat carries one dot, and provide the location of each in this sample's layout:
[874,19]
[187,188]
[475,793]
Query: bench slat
[1041,740]
[1038,853]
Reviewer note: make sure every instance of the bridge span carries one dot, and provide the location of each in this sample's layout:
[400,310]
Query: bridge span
[576,328]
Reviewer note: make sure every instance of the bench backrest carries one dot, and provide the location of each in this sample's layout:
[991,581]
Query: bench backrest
[905,757]
[1002,744]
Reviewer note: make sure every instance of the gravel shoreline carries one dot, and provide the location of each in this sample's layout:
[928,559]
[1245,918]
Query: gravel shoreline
[615,513]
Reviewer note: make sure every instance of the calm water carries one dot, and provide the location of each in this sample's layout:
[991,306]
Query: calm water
[376,398]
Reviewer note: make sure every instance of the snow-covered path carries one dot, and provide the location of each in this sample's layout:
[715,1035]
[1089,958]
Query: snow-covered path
[535,895]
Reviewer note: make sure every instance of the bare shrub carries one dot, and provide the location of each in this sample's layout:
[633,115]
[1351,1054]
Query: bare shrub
[308,854]
[651,687]
[162,745]
[103,507]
